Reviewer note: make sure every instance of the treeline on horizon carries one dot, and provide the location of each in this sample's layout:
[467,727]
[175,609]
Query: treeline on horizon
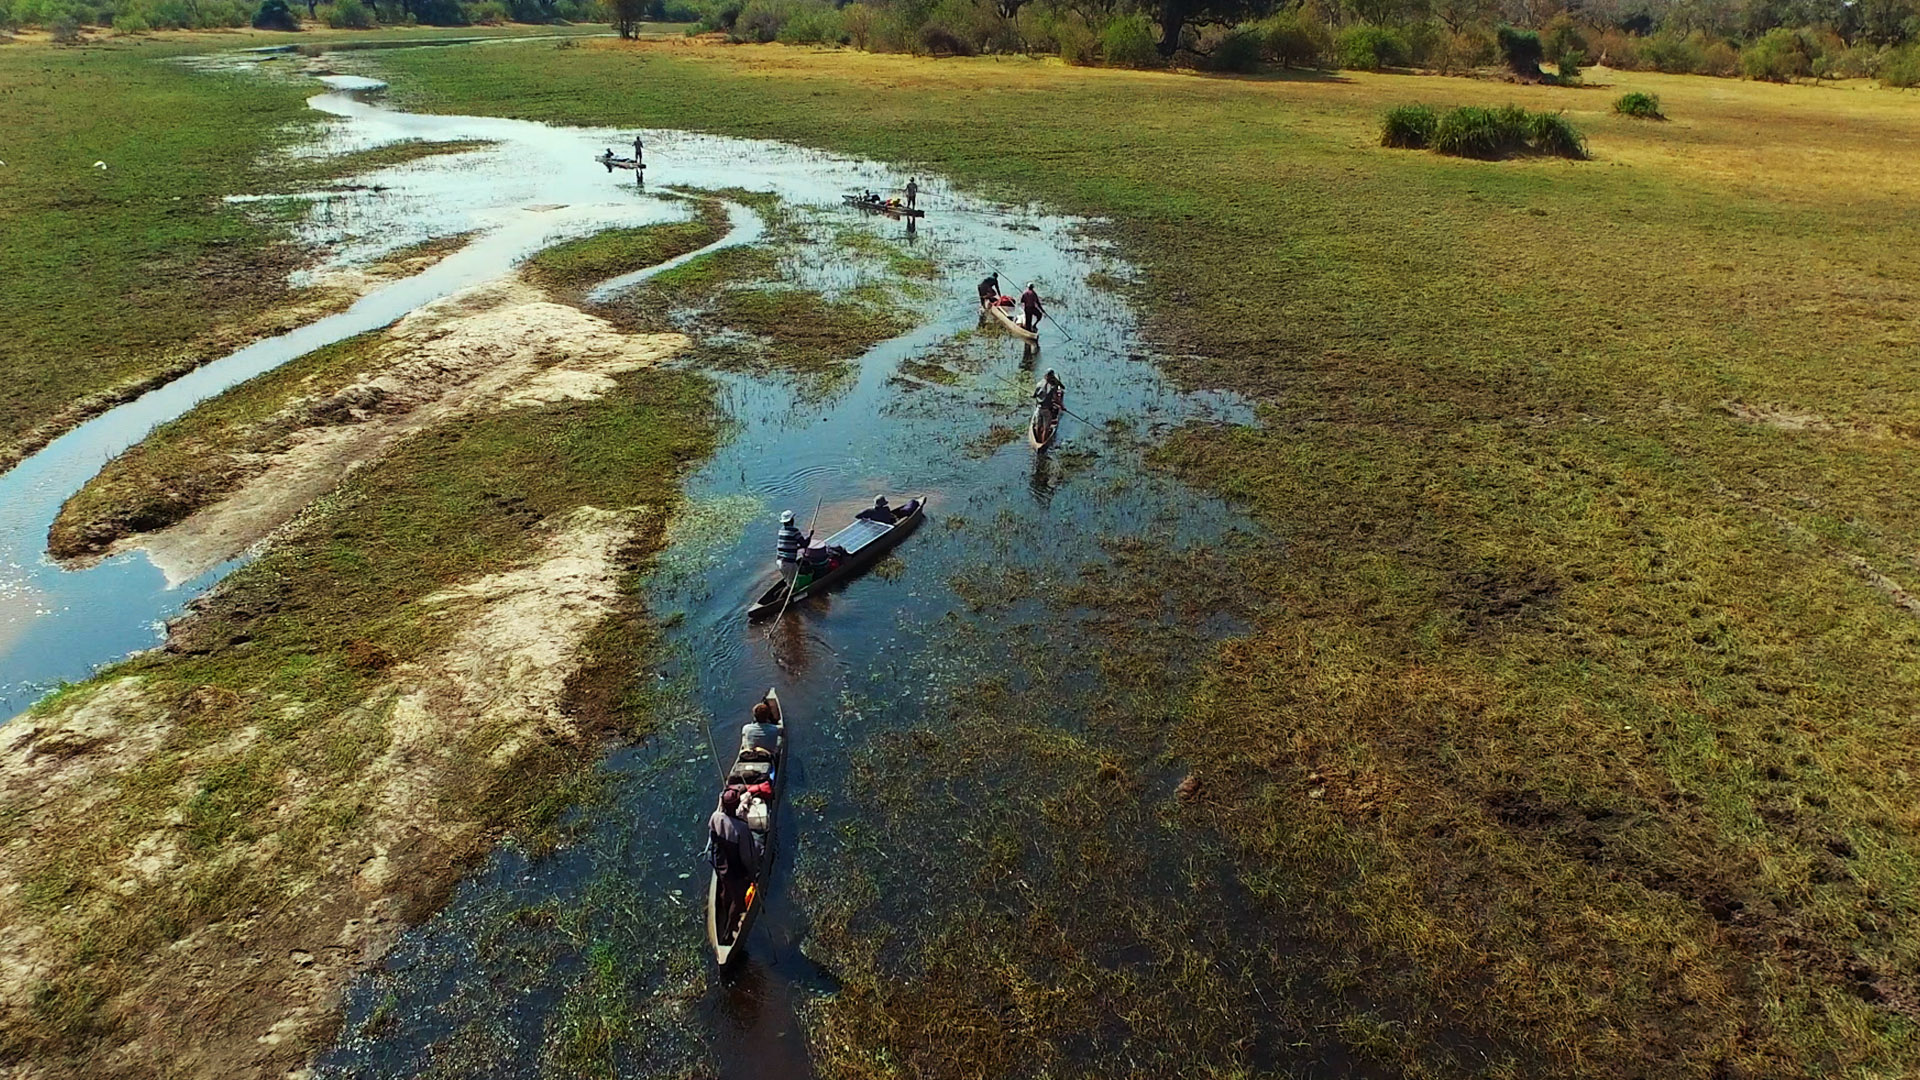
[1777,40]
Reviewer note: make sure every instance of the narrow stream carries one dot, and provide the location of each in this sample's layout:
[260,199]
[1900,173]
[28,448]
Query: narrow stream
[491,984]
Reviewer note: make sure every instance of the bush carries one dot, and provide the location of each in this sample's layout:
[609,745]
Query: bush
[66,30]
[1672,55]
[815,26]
[1720,59]
[1569,67]
[1236,50]
[1408,127]
[439,13]
[1130,41]
[1478,132]
[1522,51]
[1563,36]
[350,15]
[1779,56]
[1370,48]
[274,15]
[1078,43]
[1295,40]
[761,20]
[1901,67]
[1466,51]
[1550,133]
[940,41]
[1645,106]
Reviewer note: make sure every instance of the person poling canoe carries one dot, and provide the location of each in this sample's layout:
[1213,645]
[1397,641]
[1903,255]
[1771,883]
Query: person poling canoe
[787,547]
[913,191]
[1051,393]
[823,563]
[1030,310]
[990,289]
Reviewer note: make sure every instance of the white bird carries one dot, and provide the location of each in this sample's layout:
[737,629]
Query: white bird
[99,164]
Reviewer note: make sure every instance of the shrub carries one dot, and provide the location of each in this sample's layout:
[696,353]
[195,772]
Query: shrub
[1563,36]
[761,20]
[274,15]
[1720,59]
[1901,67]
[350,15]
[1645,106]
[856,22]
[1294,40]
[1465,51]
[1078,43]
[66,30]
[1130,41]
[820,25]
[1779,56]
[1522,51]
[1672,55]
[1426,42]
[1550,133]
[1479,132]
[1236,50]
[439,13]
[1617,49]
[1369,48]
[940,41]
[1569,67]
[1408,127]
[130,22]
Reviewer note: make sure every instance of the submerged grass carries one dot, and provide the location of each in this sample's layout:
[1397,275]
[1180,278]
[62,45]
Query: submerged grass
[1570,725]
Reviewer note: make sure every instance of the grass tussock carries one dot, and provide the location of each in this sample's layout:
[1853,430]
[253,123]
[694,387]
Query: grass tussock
[1408,127]
[1490,133]
[1639,104]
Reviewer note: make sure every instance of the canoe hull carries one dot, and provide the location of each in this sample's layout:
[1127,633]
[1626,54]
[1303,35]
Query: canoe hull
[883,208]
[1004,316]
[1042,429]
[771,601]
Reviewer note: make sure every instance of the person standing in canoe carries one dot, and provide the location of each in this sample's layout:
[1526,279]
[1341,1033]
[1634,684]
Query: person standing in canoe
[734,857]
[1030,309]
[990,289]
[639,149]
[786,549]
[913,190]
[1051,393]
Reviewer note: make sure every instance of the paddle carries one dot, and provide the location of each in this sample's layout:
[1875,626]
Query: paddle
[788,599]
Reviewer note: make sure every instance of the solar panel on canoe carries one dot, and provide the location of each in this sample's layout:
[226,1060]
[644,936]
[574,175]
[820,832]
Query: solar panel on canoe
[858,535]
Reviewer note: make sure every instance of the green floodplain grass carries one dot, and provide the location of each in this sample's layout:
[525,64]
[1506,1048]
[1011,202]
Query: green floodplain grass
[1574,724]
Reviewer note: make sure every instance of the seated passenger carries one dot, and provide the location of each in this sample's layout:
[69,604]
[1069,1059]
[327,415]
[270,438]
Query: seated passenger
[879,511]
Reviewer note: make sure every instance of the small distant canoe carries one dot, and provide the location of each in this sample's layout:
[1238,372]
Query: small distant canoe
[1043,428]
[1003,314]
[894,209]
[865,541]
[613,161]
[754,762]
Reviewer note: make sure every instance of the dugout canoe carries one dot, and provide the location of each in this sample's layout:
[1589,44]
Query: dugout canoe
[865,542]
[1043,428]
[613,162]
[890,209]
[753,763]
[1003,314]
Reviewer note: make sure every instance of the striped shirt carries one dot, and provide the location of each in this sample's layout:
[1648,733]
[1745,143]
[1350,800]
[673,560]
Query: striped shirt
[787,548]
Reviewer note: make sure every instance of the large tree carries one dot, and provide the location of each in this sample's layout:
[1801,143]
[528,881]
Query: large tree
[1176,15]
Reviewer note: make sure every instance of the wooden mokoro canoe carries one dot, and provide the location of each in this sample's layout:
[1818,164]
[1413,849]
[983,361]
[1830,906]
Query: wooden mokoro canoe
[865,541]
[893,209]
[613,162]
[1043,428]
[1003,314]
[752,763]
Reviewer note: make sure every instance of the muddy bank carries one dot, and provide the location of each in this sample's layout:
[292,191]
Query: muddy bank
[194,496]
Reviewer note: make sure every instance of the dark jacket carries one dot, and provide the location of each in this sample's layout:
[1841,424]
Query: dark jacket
[732,845]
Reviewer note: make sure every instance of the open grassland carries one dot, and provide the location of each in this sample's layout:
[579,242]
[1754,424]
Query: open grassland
[1574,731]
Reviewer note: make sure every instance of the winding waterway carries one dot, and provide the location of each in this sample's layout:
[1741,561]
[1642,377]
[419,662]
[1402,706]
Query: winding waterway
[480,989]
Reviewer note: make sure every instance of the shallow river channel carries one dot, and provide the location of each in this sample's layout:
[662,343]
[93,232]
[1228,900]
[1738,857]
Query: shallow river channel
[483,987]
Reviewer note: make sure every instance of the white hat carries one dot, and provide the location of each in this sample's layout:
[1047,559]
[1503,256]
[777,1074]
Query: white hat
[786,516]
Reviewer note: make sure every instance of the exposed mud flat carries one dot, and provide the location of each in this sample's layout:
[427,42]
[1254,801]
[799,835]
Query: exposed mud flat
[499,345]
[249,998]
